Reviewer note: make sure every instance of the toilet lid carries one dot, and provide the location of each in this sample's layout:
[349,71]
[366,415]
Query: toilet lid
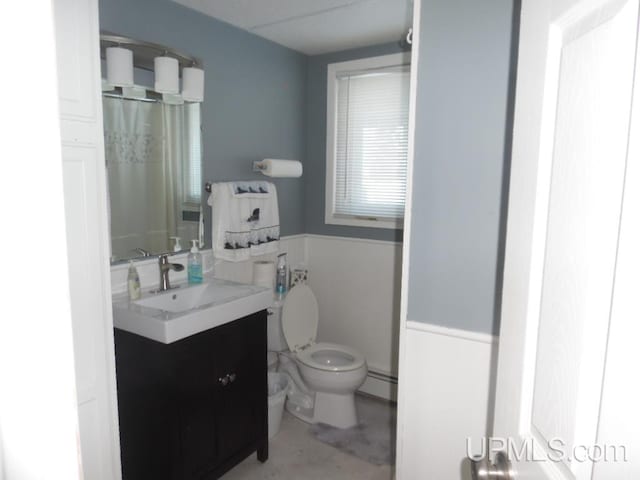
[300,317]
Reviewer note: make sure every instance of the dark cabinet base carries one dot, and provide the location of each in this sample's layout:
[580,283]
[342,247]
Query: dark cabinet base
[195,408]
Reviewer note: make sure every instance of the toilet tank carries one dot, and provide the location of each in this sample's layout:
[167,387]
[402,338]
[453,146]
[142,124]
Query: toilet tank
[275,337]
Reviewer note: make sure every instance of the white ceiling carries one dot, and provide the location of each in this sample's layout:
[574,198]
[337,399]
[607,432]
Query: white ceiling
[314,26]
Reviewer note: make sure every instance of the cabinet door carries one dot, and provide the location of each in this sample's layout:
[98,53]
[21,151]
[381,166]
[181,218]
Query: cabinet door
[144,408]
[178,421]
[241,404]
[196,417]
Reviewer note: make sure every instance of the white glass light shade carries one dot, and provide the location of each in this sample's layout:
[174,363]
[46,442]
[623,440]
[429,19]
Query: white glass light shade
[119,66]
[167,75]
[192,84]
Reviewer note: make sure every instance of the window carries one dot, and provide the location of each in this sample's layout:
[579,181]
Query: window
[367,141]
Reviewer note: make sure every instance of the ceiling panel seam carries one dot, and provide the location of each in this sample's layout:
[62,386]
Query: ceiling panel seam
[306,15]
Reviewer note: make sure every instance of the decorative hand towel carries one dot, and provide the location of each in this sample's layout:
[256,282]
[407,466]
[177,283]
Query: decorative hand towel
[245,219]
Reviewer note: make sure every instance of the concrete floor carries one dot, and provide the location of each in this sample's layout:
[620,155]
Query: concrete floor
[295,454]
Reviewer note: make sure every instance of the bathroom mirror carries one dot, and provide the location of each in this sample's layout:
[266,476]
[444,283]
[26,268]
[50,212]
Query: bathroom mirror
[153,153]
[153,159]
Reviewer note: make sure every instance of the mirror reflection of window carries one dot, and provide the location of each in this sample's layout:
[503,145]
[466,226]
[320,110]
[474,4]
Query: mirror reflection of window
[192,176]
[153,157]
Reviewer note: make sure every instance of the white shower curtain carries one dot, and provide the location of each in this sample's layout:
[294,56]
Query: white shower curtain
[145,147]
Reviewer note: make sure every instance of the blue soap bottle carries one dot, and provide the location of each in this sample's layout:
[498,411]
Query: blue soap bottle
[194,264]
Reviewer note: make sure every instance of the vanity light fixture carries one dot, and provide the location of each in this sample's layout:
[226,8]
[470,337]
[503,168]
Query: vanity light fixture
[172,99]
[119,66]
[167,75]
[192,84]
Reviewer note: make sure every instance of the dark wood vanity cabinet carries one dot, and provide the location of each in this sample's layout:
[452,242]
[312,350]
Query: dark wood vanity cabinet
[194,408]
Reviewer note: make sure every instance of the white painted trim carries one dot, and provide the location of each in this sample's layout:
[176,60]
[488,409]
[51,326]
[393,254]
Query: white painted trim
[403,388]
[452,332]
[353,239]
[354,221]
[294,237]
[139,263]
[370,63]
[382,61]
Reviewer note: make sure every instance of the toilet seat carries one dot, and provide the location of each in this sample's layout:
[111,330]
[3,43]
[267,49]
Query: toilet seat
[331,357]
[300,326]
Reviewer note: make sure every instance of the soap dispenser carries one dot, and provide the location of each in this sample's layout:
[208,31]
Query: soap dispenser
[176,246]
[281,276]
[194,264]
[133,282]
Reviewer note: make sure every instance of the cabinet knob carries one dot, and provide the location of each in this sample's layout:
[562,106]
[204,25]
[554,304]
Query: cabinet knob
[227,379]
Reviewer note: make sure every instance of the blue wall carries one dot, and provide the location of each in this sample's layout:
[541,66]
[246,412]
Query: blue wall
[316,157]
[462,154]
[263,100]
[254,103]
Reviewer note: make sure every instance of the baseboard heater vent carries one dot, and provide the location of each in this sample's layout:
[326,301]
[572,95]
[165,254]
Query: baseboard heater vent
[382,376]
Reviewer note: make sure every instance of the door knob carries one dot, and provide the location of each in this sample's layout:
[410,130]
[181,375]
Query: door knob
[483,469]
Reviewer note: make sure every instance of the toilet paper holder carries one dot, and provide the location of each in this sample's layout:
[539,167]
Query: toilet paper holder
[262,166]
[278,168]
[259,166]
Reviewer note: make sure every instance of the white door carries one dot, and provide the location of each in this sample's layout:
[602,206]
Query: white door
[567,364]
[83,166]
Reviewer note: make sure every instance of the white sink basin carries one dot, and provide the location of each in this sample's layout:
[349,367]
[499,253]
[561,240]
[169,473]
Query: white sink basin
[189,309]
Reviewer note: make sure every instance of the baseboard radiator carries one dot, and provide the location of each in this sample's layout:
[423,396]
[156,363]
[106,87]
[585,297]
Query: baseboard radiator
[381,384]
[382,376]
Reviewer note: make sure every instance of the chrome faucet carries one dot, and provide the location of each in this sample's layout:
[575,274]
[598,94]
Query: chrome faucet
[165,266]
[142,251]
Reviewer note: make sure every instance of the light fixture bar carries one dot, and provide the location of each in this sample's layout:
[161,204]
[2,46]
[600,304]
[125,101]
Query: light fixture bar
[144,52]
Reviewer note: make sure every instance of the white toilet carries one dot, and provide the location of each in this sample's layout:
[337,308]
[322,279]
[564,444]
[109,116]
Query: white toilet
[331,373]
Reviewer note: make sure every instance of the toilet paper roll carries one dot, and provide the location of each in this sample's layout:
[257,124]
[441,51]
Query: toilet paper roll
[264,274]
[272,167]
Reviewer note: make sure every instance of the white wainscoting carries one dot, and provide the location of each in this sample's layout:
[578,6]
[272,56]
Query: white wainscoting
[447,390]
[357,283]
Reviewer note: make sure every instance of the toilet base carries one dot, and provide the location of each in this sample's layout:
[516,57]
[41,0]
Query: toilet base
[332,409]
[337,410]
[304,414]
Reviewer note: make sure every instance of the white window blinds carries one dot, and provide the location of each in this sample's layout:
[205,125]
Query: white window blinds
[371,142]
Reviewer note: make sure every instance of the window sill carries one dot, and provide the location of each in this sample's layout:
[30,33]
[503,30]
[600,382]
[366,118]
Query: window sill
[390,224]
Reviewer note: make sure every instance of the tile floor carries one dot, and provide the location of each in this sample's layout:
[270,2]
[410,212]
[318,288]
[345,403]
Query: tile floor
[295,454]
